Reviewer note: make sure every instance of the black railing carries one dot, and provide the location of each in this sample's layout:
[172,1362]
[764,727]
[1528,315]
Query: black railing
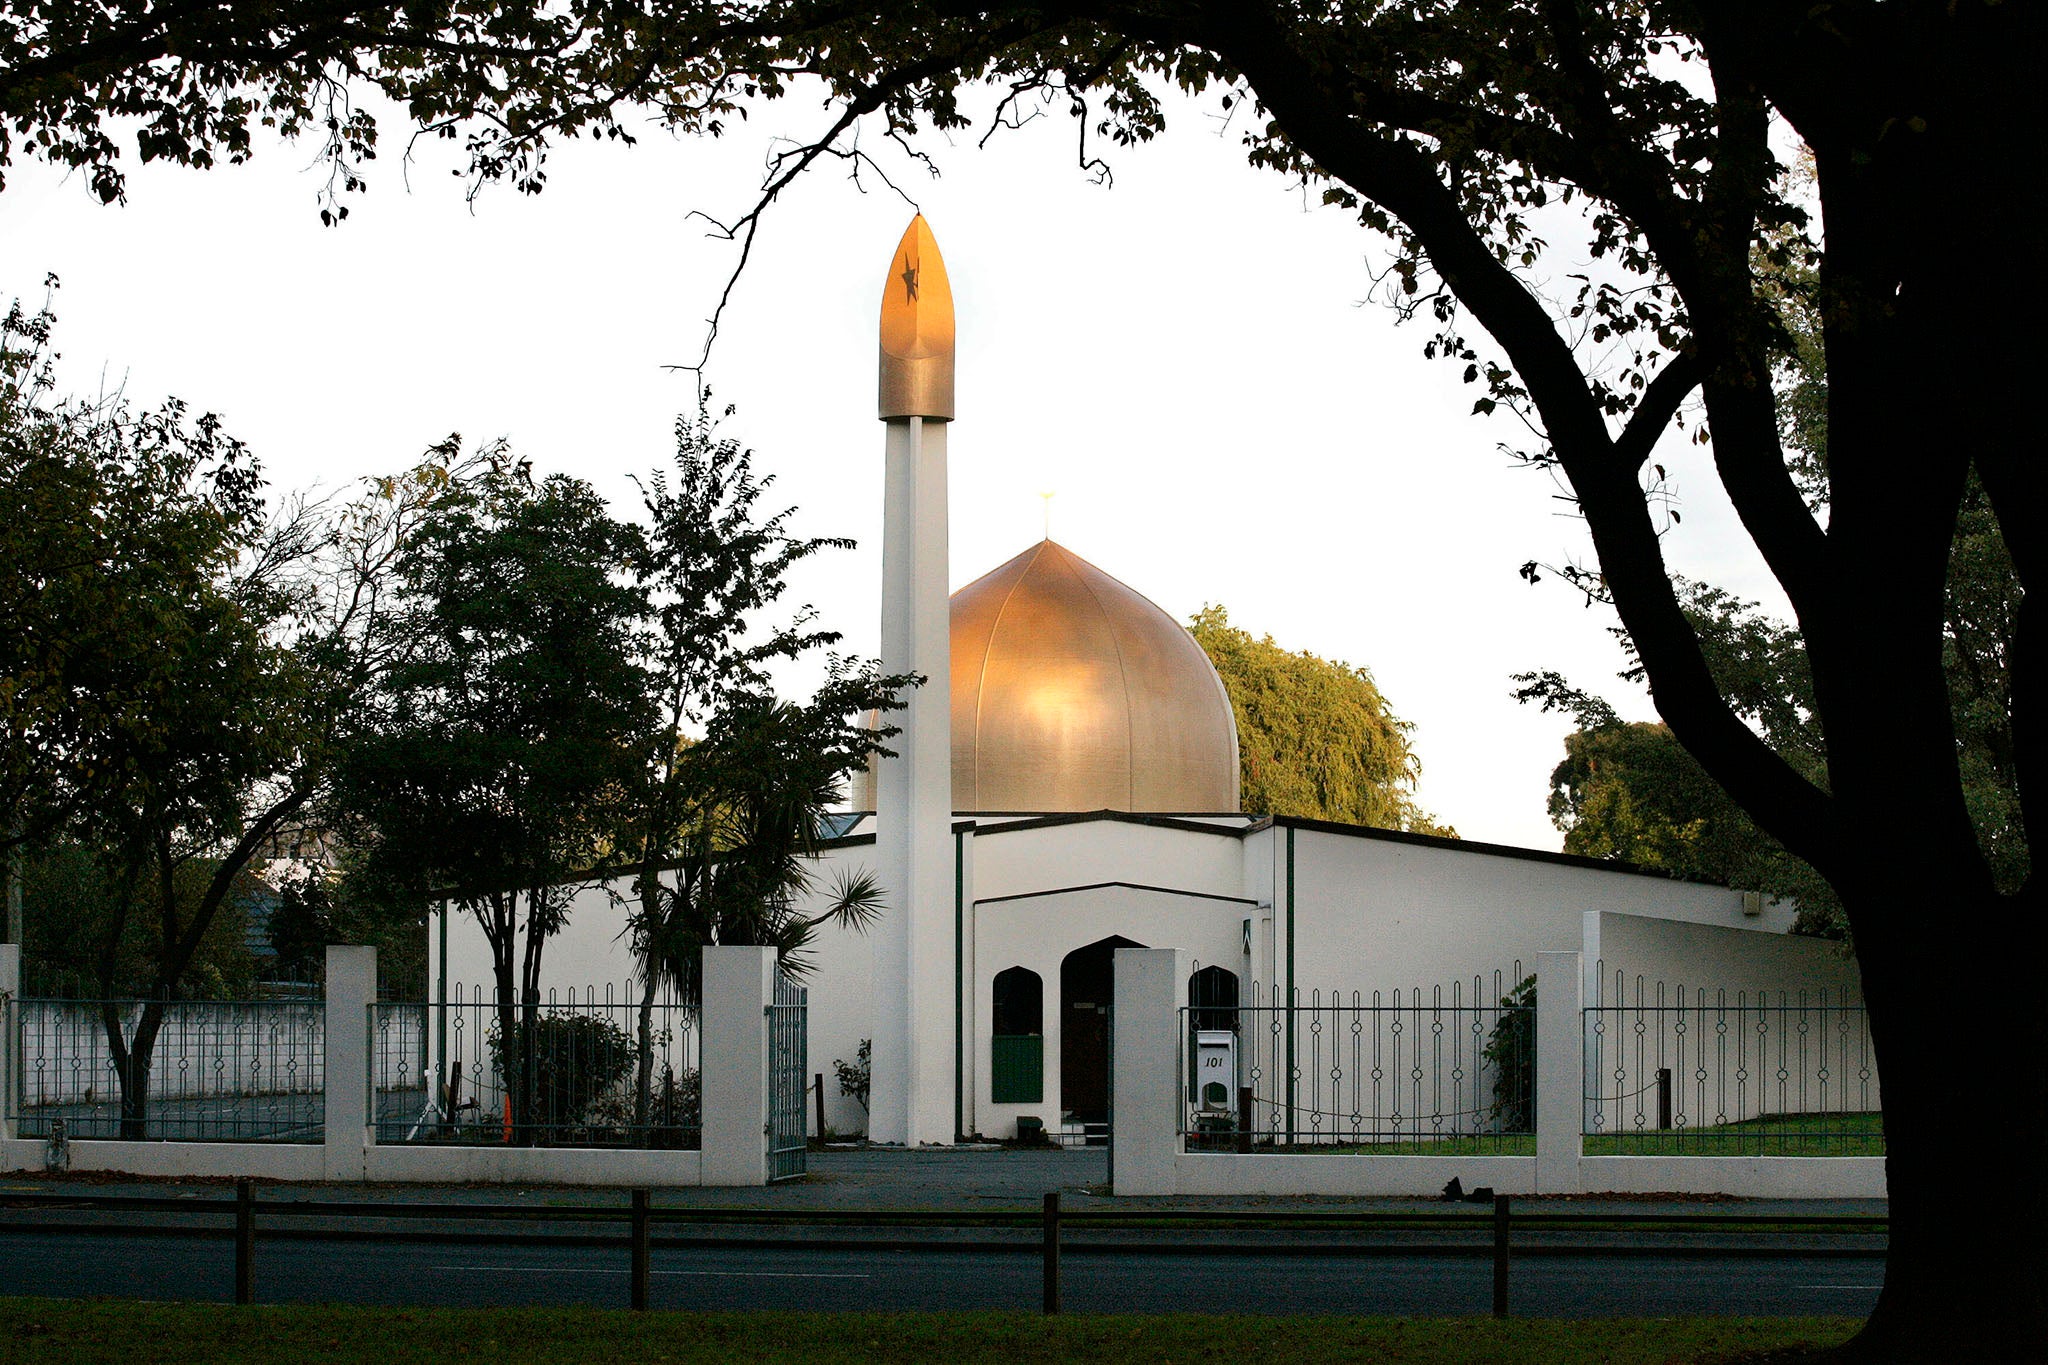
[191,1070]
[576,1069]
[1448,1071]
[1672,1071]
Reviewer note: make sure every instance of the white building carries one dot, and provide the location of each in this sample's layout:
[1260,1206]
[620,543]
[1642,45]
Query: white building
[1094,805]
[1088,715]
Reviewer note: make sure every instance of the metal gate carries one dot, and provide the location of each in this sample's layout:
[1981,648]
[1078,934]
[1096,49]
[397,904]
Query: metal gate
[787,1039]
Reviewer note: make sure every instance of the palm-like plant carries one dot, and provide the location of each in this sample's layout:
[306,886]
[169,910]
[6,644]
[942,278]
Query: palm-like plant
[766,780]
[725,826]
[762,784]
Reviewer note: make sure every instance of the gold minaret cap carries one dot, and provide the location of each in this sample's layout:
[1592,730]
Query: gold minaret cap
[917,330]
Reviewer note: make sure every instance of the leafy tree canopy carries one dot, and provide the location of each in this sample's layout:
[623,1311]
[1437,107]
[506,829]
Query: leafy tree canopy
[174,652]
[1314,737]
[494,759]
[736,781]
[1634,793]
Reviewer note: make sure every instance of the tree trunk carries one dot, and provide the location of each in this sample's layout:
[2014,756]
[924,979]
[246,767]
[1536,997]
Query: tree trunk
[498,929]
[643,1084]
[1959,1047]
[133,1064]
[643,1081]
[530,1105]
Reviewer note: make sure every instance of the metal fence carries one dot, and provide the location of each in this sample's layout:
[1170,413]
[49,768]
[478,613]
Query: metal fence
[1499,1236]
[215,1070]
[1712,1072]
[574,1070]
[788,1041]
[1447,1070]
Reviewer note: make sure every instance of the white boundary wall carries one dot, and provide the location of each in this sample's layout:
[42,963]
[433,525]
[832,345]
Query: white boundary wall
[1148,1157]
[739,986]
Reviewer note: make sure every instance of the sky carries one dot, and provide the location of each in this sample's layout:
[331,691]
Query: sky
[1189,359]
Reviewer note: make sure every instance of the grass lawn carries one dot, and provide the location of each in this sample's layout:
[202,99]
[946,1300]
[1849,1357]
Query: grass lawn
[1768,1135]
[48,1330]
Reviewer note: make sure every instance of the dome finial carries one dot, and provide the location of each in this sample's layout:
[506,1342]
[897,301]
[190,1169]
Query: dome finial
[917,330]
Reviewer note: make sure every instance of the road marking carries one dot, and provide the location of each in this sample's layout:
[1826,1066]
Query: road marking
[705,1274]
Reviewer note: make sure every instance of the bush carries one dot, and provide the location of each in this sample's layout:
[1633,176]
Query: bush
[673,1113]
[570,1062]
[854,1078]
[1511,1053]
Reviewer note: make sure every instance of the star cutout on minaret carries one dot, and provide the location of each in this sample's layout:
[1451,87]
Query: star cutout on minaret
[910,282]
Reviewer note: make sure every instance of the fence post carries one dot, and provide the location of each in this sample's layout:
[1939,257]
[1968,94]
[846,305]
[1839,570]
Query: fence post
[1146,1068]
[738,987]
[245,1242]
[818,1084]
[10,1037]
[347,1068]
[1500,1255]
[1052,1252]
[642,1248]
[1245,1096]
[1560,1072]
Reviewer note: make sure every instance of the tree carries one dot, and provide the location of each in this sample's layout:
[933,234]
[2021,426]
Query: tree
[1630,792]
[1314,737]
[70,896]
[724,821]
[1477,135]
[175,654]
[156,696]
[493,762]
[1634,793]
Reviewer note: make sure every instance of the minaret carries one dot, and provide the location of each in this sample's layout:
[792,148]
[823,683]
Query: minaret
[911,1092]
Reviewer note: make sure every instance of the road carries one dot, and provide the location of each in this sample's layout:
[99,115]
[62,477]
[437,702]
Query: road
[404,1273]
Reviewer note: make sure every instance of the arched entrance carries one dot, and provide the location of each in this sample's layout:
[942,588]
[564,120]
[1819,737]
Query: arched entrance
[1086,982]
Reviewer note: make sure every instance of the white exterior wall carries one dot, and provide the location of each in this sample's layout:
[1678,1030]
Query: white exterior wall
[1382,913]
[1038,932]
[1367,913]
[843,1000]
[1012,862]
[1713,956]
[1747,1024]
[591,955]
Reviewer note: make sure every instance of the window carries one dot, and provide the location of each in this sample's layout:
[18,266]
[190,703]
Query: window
[1017,1049]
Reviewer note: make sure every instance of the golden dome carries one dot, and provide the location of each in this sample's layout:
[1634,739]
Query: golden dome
[1072,692]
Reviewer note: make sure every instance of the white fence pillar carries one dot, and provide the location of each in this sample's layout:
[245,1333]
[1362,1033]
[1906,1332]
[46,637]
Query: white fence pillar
[738,988]
[10,1036]
[1560,1071]
[347,1064]
[1145,1069]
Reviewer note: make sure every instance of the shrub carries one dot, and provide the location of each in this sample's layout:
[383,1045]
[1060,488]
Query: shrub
[570,1062]
[853,1079]
[1511,1053]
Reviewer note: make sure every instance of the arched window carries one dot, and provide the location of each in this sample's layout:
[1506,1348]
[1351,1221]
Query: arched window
[1212,998]
[1016,1070]
[1019,1000]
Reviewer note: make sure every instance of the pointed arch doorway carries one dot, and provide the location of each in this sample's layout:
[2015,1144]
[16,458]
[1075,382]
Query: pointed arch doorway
[1086,983]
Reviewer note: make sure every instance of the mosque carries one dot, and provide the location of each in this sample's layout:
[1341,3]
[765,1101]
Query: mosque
[1066,783]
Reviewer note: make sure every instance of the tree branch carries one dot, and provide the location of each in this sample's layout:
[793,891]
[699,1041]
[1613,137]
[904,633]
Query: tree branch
[1399,177]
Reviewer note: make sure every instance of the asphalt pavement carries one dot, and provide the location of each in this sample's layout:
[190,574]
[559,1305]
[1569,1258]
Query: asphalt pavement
[1610,1272]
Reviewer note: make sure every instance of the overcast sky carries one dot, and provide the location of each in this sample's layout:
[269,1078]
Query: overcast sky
[1187,359]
